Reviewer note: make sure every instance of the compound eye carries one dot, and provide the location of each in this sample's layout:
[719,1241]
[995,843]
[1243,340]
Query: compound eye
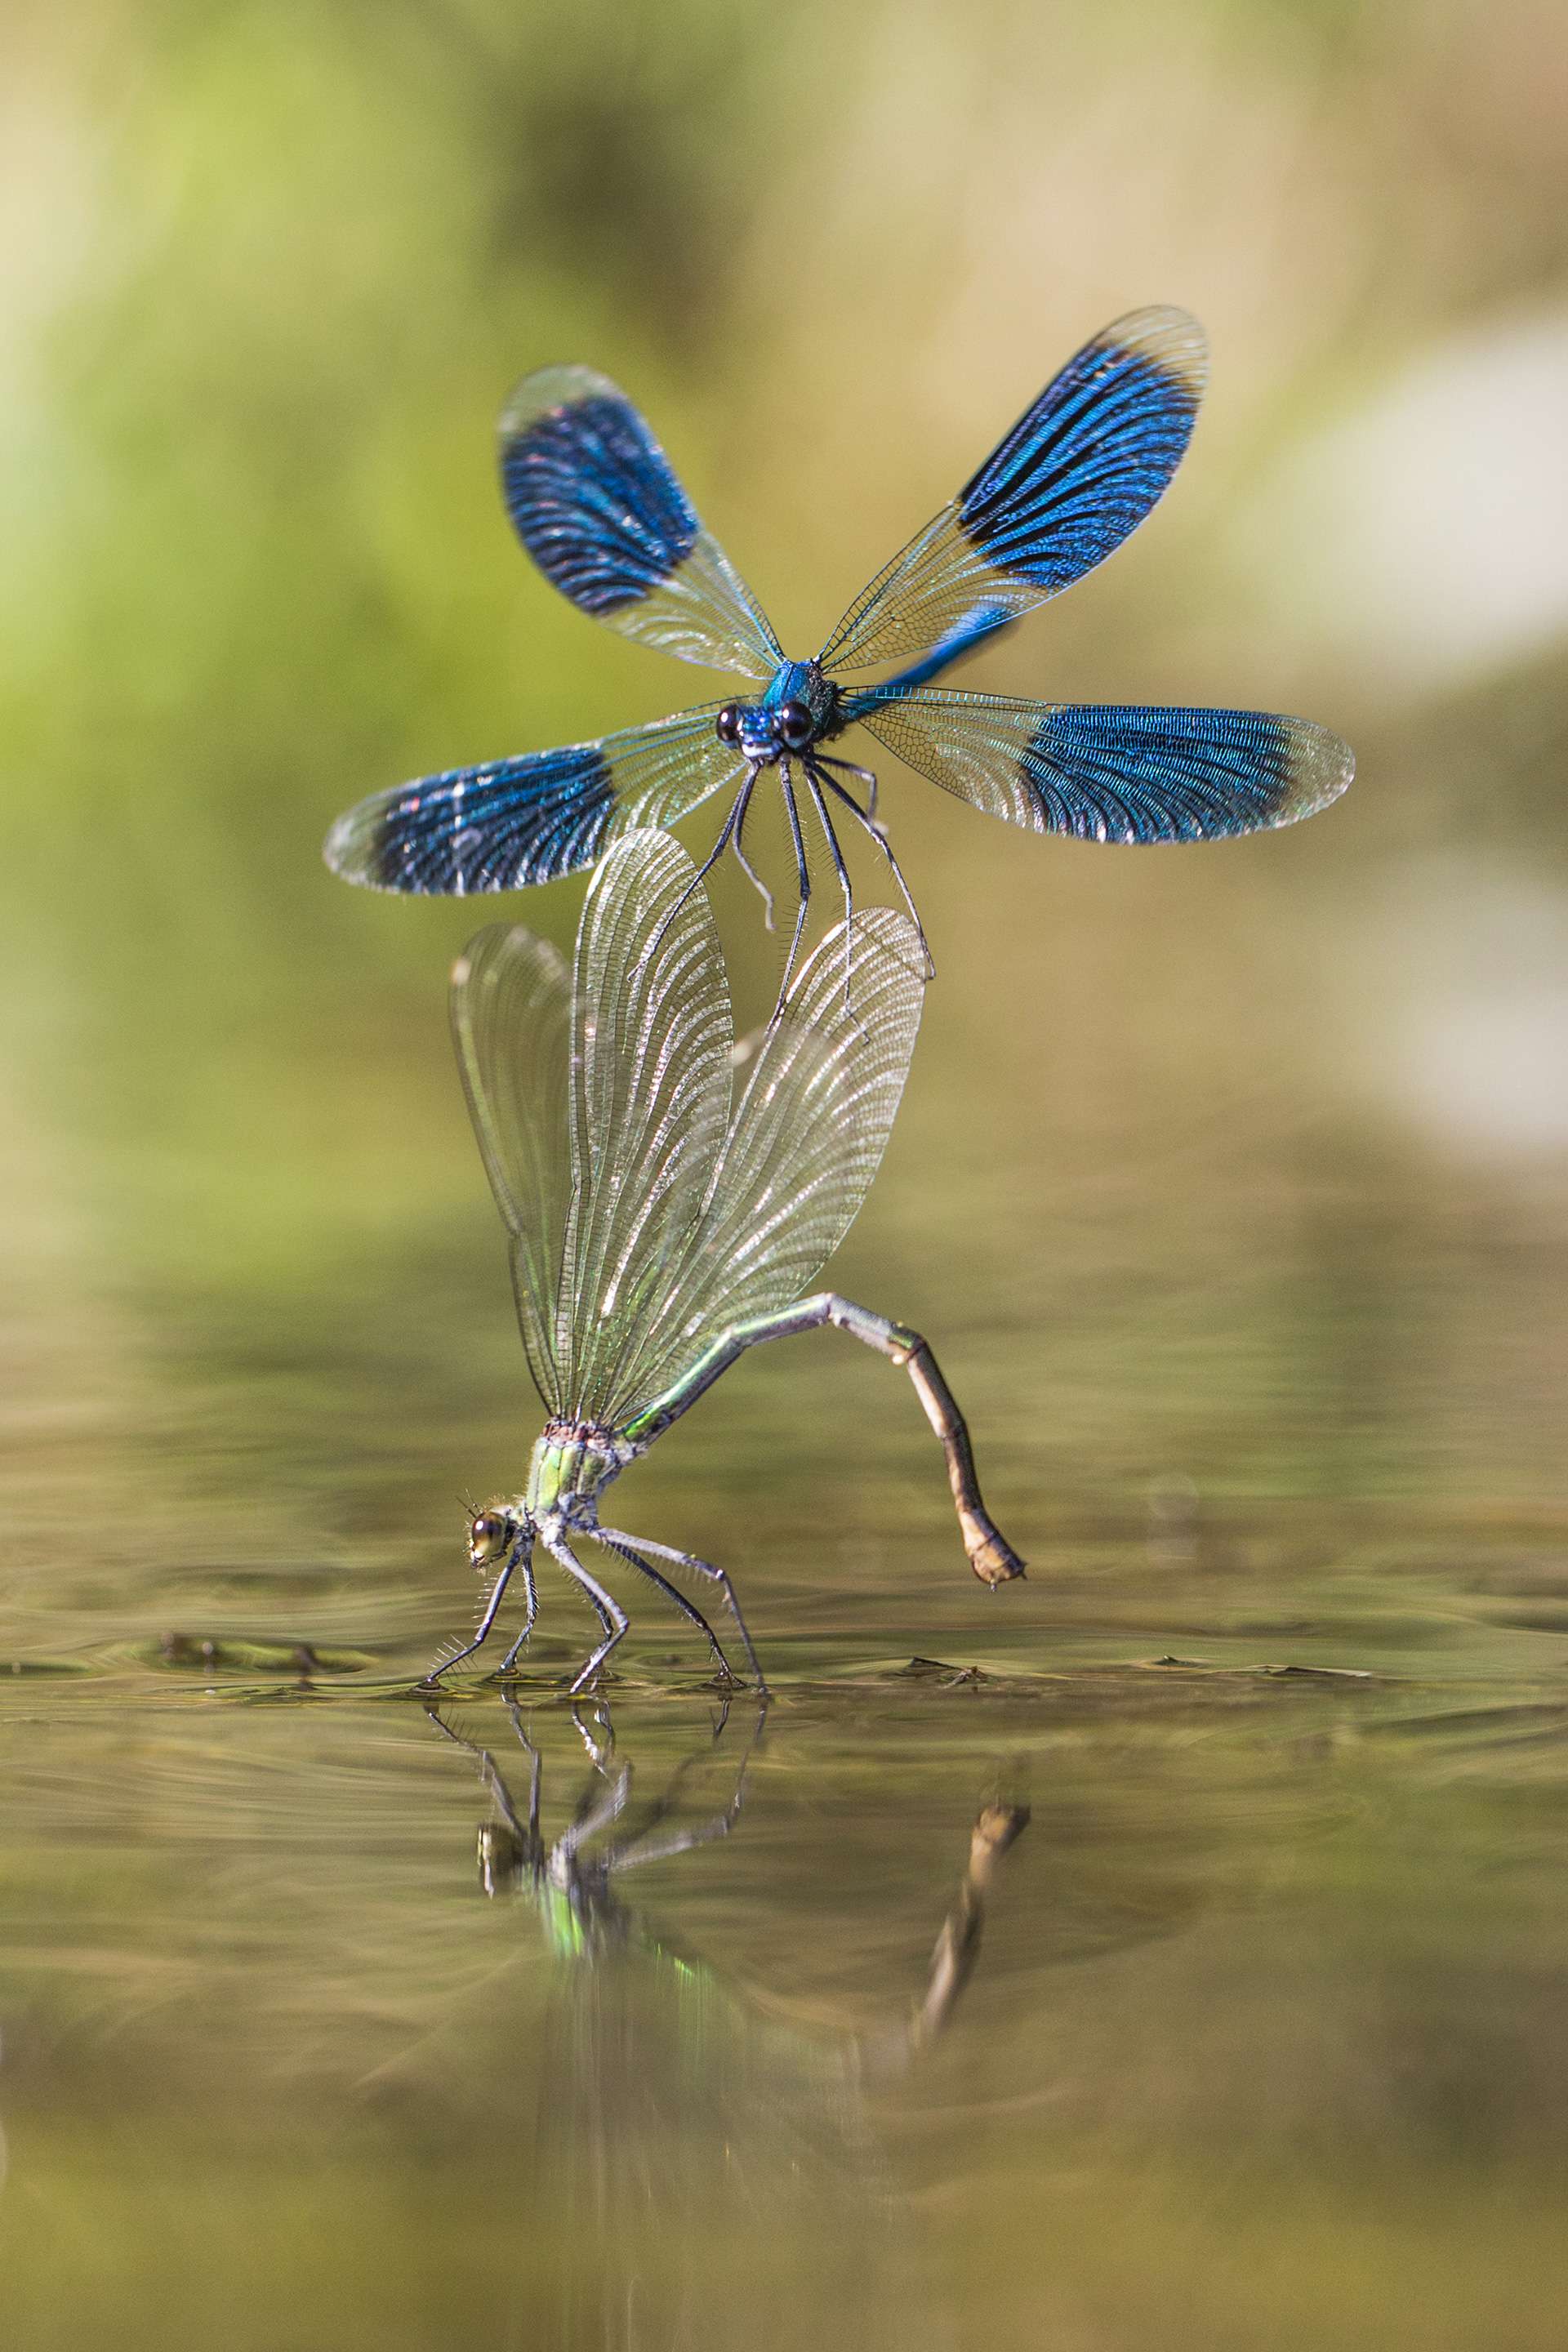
[727,725]
[795,724]
[487,1536]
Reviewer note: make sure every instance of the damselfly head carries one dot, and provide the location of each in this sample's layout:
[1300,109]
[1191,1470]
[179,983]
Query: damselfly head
[490,1533]
[753,729]
[798,708]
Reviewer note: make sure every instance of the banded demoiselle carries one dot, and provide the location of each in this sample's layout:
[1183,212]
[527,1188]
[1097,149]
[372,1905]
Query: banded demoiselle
[599,507]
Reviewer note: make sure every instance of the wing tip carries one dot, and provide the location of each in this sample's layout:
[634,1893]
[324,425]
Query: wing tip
[472,966]
[886,949]
[647,845]
[344,851]
[356,850]
[1165,336]
[559,385]
[1320,767]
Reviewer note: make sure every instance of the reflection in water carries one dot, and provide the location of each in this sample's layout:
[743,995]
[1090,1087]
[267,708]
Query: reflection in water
[678,2122]
[569,1881]
[1271,1991]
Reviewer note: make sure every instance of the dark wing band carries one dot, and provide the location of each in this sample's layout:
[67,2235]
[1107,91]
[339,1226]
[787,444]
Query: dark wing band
[1113,771]
[508,823]
[600,509]
[1075,475]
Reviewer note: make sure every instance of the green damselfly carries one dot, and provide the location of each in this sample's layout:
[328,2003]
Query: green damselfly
[666,1216]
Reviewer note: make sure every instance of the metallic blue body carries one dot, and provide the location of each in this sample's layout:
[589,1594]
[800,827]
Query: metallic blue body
[792,682]
[983,622]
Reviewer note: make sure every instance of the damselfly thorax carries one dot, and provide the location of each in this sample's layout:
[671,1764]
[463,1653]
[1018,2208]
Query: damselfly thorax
[573,1461]
[786,731]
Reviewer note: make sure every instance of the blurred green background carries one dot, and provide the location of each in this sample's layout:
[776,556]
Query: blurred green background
[271,270]
[1231,1184]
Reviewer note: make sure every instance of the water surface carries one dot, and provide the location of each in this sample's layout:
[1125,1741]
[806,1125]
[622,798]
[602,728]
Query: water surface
[1168,1951]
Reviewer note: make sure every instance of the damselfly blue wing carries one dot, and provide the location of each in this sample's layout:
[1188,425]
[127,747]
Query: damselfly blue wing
[600,509]
[598,505]
[1079,472]
[511,822]
[1127,773]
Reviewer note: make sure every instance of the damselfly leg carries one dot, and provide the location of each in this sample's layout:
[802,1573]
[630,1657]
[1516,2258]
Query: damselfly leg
[747,868]
[826,823]
[631,1545]
[510,1847]
[730,830]
[654,1844]
[878,835]
[598,1737]
[868,776]
[525,1562]
[803,881]
[610,1614]
[597,1810]
[629,1550]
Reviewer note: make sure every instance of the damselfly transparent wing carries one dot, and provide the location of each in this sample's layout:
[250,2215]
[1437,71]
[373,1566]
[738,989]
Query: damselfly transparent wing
[511,1024]
[645,1214]
[1129,772]
[511,823]
[600,509]
[803,1145]
[650,1091]
[1075,475]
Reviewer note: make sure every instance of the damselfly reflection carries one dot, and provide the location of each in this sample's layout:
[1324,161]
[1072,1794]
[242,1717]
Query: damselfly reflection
[660,1225]
[574,1877]
[702,2126]
[599,507]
